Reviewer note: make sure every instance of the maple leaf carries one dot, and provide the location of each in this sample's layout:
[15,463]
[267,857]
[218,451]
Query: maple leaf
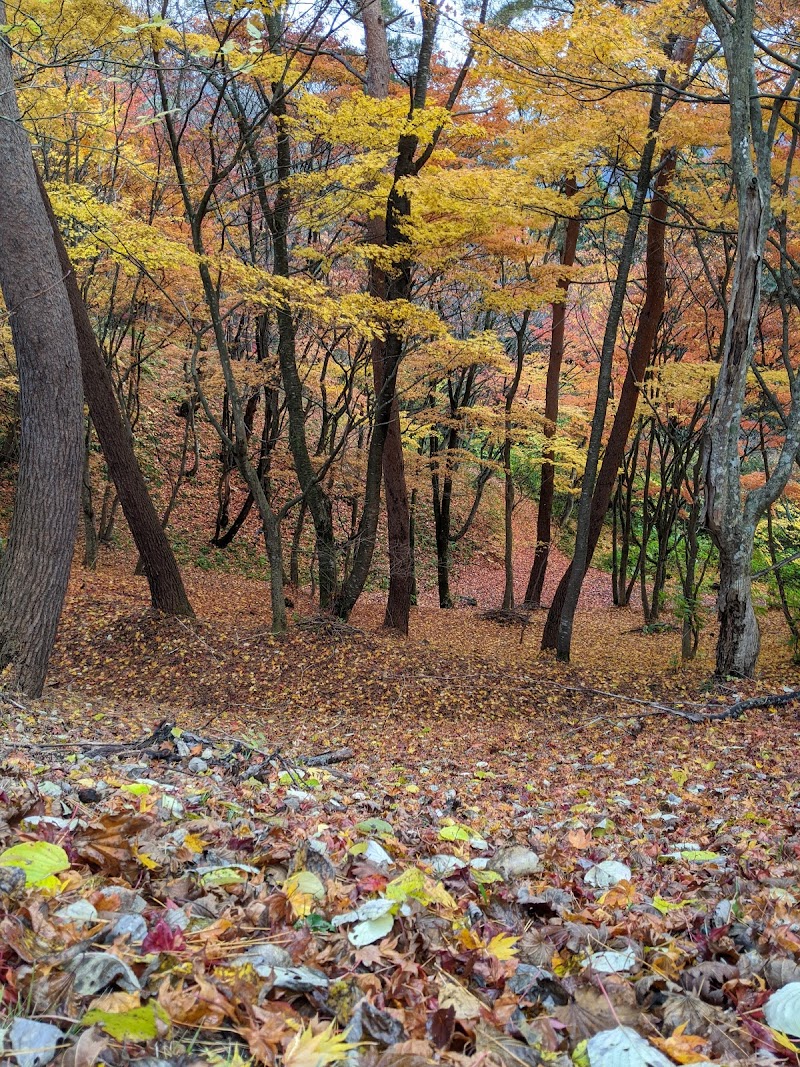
[310,1049]
[503,947]
[163,938]
[682,1047]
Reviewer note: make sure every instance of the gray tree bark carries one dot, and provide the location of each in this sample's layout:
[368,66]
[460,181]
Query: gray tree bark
[34,571]
[731,519]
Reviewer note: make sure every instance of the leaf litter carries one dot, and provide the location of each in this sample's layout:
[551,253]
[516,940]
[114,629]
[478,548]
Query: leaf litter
[478,884]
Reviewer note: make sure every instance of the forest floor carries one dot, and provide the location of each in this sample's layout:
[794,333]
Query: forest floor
[510,868]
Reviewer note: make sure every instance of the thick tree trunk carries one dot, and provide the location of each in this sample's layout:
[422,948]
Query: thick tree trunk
[35,567]
[732,525]
[544,515]
[739,639]
[167,592]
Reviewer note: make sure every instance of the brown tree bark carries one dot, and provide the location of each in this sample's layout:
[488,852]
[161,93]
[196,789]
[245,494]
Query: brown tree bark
[398,514]
[167,592]
[397,287]
[508,480]
[35,568]
[641,352]
[544,515]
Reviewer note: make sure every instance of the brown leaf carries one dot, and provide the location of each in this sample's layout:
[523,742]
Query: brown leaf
[504,1049]
[688,1011]
[87,1050]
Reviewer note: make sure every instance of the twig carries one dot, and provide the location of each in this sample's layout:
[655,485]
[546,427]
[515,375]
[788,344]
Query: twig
[8,699]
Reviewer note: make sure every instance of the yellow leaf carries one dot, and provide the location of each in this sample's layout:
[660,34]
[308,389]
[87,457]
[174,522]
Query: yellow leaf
[303,888]
[783,1040]
[503,947]
[146,861]
[468,939]
[308,1049]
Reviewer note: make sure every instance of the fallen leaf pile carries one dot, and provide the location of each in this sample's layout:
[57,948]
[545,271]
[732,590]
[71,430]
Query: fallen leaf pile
[189,899]
[511,865]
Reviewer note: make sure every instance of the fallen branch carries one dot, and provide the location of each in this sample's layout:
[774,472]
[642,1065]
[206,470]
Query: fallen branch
[324,759]
[734,711]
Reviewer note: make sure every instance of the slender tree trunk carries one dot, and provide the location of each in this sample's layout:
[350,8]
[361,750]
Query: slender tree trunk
[90,542]
[580,561]
[319,504]
[398,514]
[412,539]
[294,558]
[108,514]
[35,567]
[167,592]
[544,515]
[641,351]
[442,528]
[508,589]
[398,287]
[508,524]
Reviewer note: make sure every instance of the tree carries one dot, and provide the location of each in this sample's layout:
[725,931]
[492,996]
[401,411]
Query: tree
[167,592]
[544,514]
[398,513]
[597,487]
[731,517]
[35,567]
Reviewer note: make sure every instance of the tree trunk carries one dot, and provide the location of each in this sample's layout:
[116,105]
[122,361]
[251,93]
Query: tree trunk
[167,592]
[294,558]
[544,515]
[739,639]
[90,542]
[641,352]
[738,642]
[583,548]
[398,519]
[731,525]
[34,571]
[442,525]
[508,589]
[508,523]
[398,516]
